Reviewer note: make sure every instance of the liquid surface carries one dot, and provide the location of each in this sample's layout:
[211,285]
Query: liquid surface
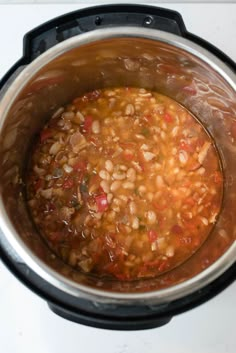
[124,183]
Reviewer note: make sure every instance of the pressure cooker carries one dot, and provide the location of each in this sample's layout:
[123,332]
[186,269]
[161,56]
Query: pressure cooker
[111,46]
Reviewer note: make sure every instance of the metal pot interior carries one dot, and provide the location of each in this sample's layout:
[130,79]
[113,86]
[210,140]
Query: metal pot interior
[174,69]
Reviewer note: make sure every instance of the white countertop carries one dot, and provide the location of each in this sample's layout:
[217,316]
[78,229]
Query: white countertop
[26,323]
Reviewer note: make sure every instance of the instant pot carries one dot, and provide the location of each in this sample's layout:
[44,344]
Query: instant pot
[110,46]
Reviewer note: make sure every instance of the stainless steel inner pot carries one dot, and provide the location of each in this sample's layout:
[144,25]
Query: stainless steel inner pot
[111,57]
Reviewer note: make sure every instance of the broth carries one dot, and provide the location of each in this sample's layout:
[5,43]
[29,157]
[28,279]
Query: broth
[124,183]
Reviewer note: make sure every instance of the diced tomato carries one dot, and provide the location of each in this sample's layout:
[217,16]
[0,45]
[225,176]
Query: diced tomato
[186,146]
[87,123]
[46,134]
[158,206]
[128,155]
[176,229]
[102,203]
[168,118]
[163,266]
[80,166]
[68,183]
[148,118]
[152,235]
[190,201]
[38,184]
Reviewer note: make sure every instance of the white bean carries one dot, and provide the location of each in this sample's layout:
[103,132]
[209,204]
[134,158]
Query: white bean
[204,221]
[142,189]
[135,223]
[119,176]
[159,181]
[151,217]
[105,186]
[123,198]
[115,185]
[128,185]
[148,156]
[132,207]
[96,127]
[104,174]
[183,157]
[109,197]
[109,166]
[170,251]
[131,174]
[150,196]
[55,148]
[129,110]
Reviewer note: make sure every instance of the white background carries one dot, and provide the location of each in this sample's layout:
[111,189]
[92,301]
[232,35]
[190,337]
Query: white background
[26,323]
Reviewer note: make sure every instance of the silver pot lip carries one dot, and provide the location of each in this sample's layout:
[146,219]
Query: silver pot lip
[73,288]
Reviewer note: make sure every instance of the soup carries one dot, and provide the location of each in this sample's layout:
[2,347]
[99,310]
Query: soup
[124,183]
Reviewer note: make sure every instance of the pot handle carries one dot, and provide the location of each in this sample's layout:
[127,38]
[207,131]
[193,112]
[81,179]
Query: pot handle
[61,28]
[111,323]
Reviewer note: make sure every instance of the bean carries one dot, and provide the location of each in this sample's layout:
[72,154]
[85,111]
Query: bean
[118,176]
[123,198]
[104,175]
[132,207]
[159,181]
[161,243]
[55,148]
[200,209]
[58,112]
[128,185]
[79,118]
[117,202]
[170,251]
[68,115]
[67,168]
[183,157]
[111,215]
[123,167]
[151,217]
[142,189]
[129,110]
[148,156]
[98,215]
[46,193]
[163,135]
[176,170]
[109,197]
[115,208]
[135,223]
[144,147]
[204,221]
[115,185]
[96,127]
[140,137]
[131,174]
[105,186]
[175,130]
[127,229]
[201,171]
[150,196]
